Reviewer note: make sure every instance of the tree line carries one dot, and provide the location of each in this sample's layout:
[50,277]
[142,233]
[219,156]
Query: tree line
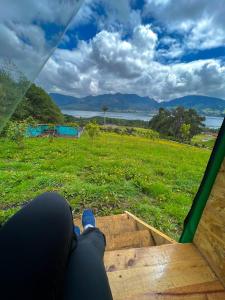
[179,124]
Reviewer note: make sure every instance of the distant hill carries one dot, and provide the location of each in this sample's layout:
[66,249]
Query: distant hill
[202,104]
[114,102]
[133,103]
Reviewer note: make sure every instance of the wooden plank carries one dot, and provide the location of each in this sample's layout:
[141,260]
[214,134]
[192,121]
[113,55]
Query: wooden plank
[198,295]
[113,224]
[216,296]
[173,279]
[210,234]
[150,256]
[135,239]
[159,237]
[168,296]
[116,225]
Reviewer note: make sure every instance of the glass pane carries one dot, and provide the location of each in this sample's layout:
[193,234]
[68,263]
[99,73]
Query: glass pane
[29,32]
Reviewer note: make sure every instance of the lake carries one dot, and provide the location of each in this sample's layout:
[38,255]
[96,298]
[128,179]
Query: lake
[210,122]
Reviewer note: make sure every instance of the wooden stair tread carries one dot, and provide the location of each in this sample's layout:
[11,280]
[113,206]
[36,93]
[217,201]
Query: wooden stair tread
[113,224]
[135,239]
[174,271]
[149,256]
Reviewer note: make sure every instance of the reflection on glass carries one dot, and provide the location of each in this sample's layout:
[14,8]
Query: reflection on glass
[29,32]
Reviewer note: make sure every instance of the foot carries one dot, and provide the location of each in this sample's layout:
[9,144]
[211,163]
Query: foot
[88,219]
[76,230]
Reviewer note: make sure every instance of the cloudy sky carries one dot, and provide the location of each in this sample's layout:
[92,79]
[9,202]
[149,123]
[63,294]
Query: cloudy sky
[157,48]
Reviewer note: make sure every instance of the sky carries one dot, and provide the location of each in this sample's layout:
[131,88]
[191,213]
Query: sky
[162,49]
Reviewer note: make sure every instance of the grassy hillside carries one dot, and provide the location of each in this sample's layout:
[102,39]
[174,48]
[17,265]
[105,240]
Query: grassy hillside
[204,140]
[38,104]
[155,180]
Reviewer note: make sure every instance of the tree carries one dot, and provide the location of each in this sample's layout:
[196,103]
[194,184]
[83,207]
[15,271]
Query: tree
[170,122]
[105,109]
[185,132]
[39,105]
[13,85]
[93,130]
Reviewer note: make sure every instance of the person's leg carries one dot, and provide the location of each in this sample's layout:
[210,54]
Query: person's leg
[86,278]
[34,249]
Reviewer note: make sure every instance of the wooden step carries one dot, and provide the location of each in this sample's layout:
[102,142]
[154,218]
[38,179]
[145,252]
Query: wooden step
[116,224]
[158,237]
[148,256]
[175,271]
[135,239]
[113,224]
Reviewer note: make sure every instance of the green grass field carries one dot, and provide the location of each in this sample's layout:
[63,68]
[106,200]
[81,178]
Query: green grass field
[204,140]
[156,180]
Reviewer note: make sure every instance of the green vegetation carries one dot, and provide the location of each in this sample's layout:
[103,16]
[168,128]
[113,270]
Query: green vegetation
[13,85]
[39,105]
[93,130]
[179,123]
[110,121]
[154,179]
[148,133]
[204,140]
[185,132]
[16,132]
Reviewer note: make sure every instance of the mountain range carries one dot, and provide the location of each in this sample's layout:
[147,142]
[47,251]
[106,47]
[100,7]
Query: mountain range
[133,103]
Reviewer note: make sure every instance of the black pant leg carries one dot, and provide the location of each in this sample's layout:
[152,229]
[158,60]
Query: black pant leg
[86,278]
[34,249]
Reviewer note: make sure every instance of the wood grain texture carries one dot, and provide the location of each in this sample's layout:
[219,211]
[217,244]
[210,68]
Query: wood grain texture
[150,256]
[159,237]
[135,239]
[196,296]
[165,272]
[210,234]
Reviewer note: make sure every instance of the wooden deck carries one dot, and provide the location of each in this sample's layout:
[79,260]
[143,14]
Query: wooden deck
[142,263]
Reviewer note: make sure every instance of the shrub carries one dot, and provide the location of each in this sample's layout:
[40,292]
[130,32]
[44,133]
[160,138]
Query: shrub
[16,132]
[93,130]
[31,121]
[148,133]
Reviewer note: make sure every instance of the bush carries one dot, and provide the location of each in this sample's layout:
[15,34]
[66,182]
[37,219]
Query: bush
[72,124]
[16,132]
[148,133]
[93,130]
[31,122]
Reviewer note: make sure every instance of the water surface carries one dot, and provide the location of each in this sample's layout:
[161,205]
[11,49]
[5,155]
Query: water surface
[210,122]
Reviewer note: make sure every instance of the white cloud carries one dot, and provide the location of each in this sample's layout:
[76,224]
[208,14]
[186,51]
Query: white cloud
[117,16]
[123,56]
[109,64]
[29,31]
[28,11]
[205,35]
[201,22]
[174,49]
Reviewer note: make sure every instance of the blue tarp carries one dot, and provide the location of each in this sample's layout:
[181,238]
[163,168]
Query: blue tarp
[66,130]
[60,130]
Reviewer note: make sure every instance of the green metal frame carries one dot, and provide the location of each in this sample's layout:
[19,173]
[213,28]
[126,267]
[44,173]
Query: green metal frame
[192,220]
